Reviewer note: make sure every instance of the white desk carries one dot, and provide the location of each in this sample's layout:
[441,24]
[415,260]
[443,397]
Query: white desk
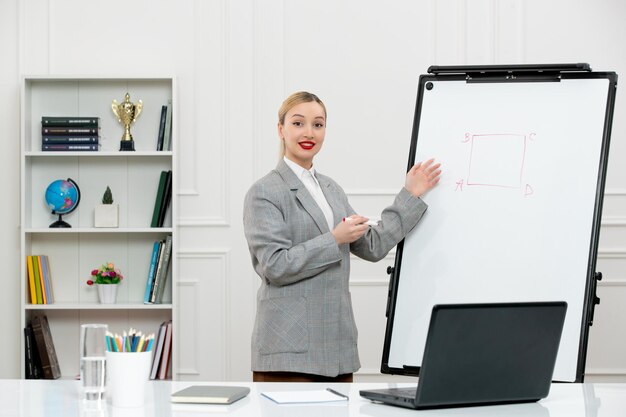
[30,398]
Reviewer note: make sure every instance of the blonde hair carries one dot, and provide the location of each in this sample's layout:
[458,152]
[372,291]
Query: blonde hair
[291,101]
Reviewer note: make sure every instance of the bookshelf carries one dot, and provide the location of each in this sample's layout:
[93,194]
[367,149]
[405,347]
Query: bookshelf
[133,178]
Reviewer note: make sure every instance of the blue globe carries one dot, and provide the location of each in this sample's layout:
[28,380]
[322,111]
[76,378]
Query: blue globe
[62,196]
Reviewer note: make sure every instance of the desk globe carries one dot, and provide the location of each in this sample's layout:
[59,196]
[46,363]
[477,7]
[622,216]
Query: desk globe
[62,197]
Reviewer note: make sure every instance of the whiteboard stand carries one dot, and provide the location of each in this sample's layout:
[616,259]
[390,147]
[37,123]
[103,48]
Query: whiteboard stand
[516,215]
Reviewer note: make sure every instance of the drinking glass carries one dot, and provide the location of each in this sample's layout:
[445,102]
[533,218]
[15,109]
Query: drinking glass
[92,360]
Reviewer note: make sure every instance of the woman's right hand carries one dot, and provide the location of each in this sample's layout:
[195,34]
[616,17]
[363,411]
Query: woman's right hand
[350,229]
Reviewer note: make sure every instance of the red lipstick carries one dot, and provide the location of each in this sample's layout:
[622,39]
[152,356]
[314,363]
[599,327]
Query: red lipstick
[307,145]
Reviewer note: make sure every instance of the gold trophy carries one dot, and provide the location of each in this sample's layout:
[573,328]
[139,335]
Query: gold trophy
[127,114]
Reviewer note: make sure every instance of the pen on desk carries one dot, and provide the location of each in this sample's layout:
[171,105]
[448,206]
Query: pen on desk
[338,393]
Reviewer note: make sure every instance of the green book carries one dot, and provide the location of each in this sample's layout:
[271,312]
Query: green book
[159,199]
[167,137]
[38,288]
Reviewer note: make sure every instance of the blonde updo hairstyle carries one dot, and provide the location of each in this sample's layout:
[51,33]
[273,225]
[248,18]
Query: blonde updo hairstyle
[291,101]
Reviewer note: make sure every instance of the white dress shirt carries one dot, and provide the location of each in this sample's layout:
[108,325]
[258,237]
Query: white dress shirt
[313,186]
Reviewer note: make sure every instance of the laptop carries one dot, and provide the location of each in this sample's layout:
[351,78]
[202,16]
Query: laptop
[480,354]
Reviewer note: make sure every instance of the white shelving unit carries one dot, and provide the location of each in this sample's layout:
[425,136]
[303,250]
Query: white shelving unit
[133,178]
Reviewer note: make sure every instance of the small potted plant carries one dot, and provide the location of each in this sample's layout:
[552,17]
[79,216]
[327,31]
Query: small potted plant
[107,213]
[106,279]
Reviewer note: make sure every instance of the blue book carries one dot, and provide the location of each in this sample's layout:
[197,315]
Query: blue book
[153,266]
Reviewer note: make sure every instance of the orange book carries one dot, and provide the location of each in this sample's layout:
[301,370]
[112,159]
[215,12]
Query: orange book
[31,280]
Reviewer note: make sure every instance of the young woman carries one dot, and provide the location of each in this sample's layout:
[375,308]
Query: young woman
[301,230]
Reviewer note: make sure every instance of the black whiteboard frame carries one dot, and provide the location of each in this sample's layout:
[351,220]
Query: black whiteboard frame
[506,74]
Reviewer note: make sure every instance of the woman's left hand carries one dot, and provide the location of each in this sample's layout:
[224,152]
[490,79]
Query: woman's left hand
[422,177]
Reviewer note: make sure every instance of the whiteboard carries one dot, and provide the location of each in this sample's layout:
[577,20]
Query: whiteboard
[513,216]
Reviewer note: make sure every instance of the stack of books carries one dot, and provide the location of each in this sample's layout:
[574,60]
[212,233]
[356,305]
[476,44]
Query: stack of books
[162,358]
[41,358]
[164,140]
[39,279]
[69,134]
[157,273]
[162,200]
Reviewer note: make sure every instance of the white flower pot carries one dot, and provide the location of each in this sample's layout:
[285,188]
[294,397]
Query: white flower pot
[107,293]
[107,215]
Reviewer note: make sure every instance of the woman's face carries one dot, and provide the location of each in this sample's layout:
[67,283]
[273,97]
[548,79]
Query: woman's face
[303,132]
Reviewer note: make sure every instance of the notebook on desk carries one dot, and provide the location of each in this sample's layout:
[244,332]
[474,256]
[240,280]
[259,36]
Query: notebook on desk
[209,394]
[479,354]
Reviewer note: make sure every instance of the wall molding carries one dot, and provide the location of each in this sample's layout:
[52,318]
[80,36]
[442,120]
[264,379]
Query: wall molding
[190,370]
[214,253]
[210,221]
[611,253]
[390,256]
[222,42]
[619,192]
[613,221]
[612,283]
[371,192]
[605,371]
[268,82]
[225,103]
[223,255]
[188,192]
[369,283]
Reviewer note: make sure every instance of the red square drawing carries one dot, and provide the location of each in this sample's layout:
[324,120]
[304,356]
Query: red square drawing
[497,160]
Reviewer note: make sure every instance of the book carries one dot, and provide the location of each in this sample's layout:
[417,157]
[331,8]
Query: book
[70,131]
[38,289]
[156,271]
[42,280]
[69,121]
[167,198]
[209,394]
[165,356]
[167,139]
[151,271]
[158,349]
[159,146]
[62,147]
[31,359]
[69,139]
[158,200]
[161,278]
[45,347]
[158,275]
[47,278]
[31,280]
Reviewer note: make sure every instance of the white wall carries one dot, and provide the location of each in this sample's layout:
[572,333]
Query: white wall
[235,60]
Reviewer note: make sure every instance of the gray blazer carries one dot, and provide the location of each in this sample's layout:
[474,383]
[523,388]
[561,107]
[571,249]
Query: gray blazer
[304,320]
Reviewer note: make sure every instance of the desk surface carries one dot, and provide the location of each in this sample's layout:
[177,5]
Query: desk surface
[29,398]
